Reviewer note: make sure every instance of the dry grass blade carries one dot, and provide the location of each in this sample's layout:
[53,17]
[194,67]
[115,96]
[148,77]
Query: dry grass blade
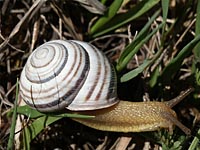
[66,21]
[27,17]
[93,6]
[123,143]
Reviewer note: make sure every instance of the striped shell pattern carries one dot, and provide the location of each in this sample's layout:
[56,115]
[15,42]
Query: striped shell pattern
[68,74]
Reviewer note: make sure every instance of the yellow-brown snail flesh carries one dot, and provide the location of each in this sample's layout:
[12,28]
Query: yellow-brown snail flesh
[75,75]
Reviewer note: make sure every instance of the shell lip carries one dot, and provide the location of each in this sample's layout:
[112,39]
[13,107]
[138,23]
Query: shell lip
[92,107]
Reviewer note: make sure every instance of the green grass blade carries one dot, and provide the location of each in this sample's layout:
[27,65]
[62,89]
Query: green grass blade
[196,62]
[165,7]
[103,1]
[31,131]
[197,32]
[122,19]
[14,118]
[134,48]
[154,77]
[135,72]
[197,74]
[29,112]
[138,38]
[195,143]
[114,7]
[33,113]
[176,63]
[141,68]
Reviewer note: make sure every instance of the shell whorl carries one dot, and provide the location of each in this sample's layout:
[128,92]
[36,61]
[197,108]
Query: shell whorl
[68,74]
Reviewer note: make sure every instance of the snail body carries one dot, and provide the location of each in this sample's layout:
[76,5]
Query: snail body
[150,119]
[76,76]
[136,116]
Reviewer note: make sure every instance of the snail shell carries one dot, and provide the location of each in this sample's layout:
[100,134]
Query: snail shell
[68,74]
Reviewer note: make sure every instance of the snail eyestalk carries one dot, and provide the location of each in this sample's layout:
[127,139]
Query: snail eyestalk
[173,102]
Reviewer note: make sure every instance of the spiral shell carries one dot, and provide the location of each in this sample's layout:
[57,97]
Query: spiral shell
[68,74]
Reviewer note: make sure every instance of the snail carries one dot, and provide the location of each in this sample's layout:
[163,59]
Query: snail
[76,76]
